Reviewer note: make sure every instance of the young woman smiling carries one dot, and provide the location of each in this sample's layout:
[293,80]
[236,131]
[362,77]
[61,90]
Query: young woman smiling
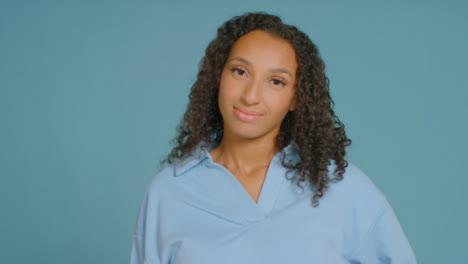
[259,112]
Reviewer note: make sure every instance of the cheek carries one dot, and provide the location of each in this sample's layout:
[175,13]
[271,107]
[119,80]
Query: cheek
[225,100]
[228,93]
[279,103]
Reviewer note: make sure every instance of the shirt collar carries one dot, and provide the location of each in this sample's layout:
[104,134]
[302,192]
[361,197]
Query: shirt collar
[201,152]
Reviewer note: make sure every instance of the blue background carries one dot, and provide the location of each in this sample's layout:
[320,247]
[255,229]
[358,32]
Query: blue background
[91,93]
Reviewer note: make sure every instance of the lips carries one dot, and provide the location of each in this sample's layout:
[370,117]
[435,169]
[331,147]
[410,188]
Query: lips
[244,116]
[248,112]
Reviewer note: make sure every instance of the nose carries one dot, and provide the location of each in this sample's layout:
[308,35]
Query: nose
[252,92]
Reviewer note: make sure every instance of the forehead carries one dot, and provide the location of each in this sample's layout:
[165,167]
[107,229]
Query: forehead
[264,50]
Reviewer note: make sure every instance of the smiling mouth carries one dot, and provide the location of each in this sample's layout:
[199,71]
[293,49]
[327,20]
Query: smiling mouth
[246,117]
[248,112]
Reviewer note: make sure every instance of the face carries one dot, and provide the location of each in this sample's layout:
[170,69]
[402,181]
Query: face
[257,85]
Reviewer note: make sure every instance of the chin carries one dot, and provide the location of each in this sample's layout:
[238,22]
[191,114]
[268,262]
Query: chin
[246,133]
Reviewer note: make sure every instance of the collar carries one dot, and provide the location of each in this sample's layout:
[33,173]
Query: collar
[201,152]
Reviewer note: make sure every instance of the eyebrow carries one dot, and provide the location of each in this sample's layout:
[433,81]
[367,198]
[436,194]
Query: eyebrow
[274,70]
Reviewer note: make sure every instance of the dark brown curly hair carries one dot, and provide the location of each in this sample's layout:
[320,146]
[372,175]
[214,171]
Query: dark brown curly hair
[313,126]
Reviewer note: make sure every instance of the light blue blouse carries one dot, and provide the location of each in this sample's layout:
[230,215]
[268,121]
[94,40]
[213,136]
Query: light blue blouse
[196,211]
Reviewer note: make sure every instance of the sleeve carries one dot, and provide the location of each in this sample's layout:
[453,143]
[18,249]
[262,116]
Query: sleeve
[385,242]
[145,245]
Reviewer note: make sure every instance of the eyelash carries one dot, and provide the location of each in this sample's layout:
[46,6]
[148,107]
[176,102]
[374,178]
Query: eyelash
[282,82]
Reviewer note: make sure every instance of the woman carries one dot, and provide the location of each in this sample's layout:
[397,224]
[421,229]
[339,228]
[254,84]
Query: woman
[257,149]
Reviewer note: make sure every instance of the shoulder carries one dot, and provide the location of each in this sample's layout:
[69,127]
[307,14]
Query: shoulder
[374,230]
[361,205]
[160,181]
[357,185]
[357,195]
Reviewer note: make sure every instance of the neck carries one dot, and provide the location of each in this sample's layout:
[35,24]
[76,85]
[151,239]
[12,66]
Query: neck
[244,155]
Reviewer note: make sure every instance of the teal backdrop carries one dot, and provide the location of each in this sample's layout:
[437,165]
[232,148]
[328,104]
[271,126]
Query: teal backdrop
[92,91]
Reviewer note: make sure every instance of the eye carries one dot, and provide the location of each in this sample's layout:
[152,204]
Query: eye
[278,81]
[233,69]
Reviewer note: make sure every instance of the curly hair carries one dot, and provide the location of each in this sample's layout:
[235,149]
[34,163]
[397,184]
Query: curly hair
[313,125]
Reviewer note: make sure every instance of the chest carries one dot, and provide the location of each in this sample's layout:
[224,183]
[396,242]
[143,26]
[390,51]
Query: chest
[279,239]
[253,182]
[218,224]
